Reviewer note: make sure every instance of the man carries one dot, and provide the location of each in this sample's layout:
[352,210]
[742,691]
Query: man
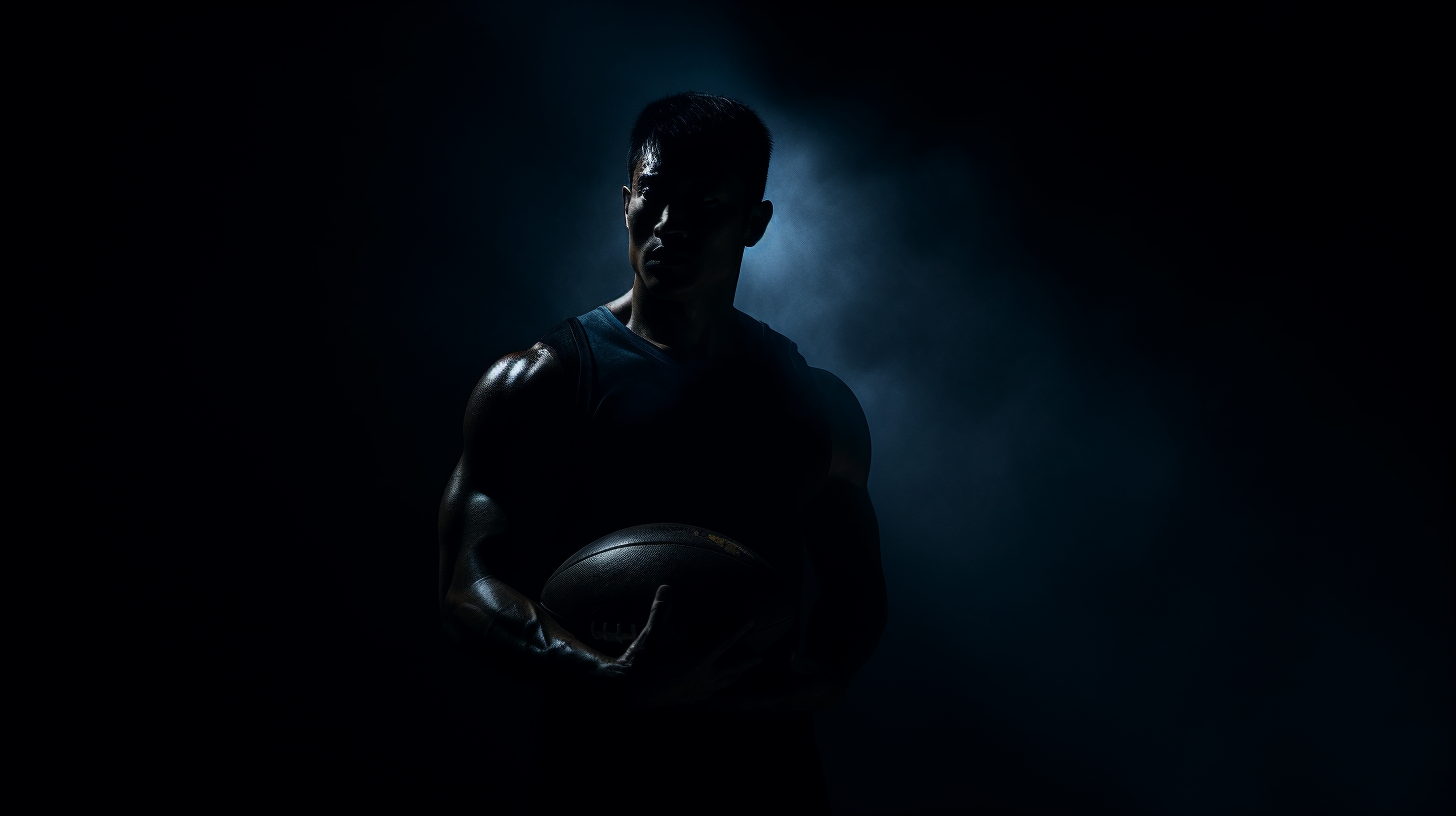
[669,405]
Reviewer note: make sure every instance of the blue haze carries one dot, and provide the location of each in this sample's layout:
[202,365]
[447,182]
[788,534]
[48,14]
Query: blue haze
[1064,614]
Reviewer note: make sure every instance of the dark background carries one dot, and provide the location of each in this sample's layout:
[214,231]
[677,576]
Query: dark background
[1149,313]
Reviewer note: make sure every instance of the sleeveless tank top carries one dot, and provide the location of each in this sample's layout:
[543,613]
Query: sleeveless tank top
[733,445]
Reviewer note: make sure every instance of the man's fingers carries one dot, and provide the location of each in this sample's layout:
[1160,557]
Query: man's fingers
[723,678]
[748,703]
[727,643]
[745,664]
[658,615]
[657,618]
[661,606]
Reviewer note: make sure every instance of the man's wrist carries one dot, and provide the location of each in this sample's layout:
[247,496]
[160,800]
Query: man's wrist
[805,665]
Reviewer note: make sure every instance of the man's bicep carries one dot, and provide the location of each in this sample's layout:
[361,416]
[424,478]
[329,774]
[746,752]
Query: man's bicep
[844,552]
[844,531]
[468,517]
[515,422]
[513,428]
[844,534]
[849,431]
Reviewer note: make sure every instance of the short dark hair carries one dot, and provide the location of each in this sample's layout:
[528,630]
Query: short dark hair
[705,124]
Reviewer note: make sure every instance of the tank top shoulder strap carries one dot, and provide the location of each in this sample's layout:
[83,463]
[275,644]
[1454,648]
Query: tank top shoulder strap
[598,350]
[596,345]
[782,352]
[567,340]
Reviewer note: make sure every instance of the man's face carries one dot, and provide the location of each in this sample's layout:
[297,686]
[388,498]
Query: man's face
[686,226]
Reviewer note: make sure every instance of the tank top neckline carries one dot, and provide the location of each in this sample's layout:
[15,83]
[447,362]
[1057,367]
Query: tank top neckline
[648,348]
[634,338]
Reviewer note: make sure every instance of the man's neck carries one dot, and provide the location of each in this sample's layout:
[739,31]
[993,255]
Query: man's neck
[700,327]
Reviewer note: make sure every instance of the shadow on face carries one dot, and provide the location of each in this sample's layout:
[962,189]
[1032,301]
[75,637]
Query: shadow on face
[688,222]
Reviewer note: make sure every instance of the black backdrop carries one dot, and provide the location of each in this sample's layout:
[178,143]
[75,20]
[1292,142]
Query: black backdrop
[1149,313]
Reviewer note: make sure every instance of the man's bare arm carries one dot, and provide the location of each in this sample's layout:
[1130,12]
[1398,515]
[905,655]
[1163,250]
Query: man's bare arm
[498,506]
[489,511]
[843,540]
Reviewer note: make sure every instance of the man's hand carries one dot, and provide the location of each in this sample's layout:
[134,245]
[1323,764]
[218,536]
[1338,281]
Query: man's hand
[663,679]
[807,686]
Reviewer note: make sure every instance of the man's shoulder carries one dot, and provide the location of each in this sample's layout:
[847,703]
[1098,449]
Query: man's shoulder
[849,430]
[772,348]
[836,398]
[516,421]
[521,382]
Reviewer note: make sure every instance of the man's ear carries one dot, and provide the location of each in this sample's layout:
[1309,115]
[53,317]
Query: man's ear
[758,218]
[626,199]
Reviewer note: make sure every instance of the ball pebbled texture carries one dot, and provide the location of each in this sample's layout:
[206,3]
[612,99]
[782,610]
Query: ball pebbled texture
[604,592]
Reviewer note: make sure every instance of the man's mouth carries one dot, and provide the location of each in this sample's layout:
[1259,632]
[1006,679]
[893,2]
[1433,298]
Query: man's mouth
[663,256]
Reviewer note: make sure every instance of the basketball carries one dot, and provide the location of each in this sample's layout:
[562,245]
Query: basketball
[604,592]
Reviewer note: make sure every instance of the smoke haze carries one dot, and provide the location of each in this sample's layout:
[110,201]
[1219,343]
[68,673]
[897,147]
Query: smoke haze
[1123,574]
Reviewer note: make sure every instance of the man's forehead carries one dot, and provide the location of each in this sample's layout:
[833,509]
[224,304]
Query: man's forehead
[677,168]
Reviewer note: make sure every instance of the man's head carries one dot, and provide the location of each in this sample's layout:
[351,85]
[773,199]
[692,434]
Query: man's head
[696,174]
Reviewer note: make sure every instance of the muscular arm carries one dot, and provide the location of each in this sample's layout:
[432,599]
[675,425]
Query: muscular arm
[501,507]
[496,507]
[843,540]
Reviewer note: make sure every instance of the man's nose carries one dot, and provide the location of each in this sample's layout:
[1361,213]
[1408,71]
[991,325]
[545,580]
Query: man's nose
[670,222]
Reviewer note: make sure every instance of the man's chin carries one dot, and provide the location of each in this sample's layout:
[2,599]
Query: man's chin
[671,283]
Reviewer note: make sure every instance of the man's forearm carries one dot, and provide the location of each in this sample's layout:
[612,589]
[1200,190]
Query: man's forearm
[845,623]
[498,621]
[506,624]
[844,627]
